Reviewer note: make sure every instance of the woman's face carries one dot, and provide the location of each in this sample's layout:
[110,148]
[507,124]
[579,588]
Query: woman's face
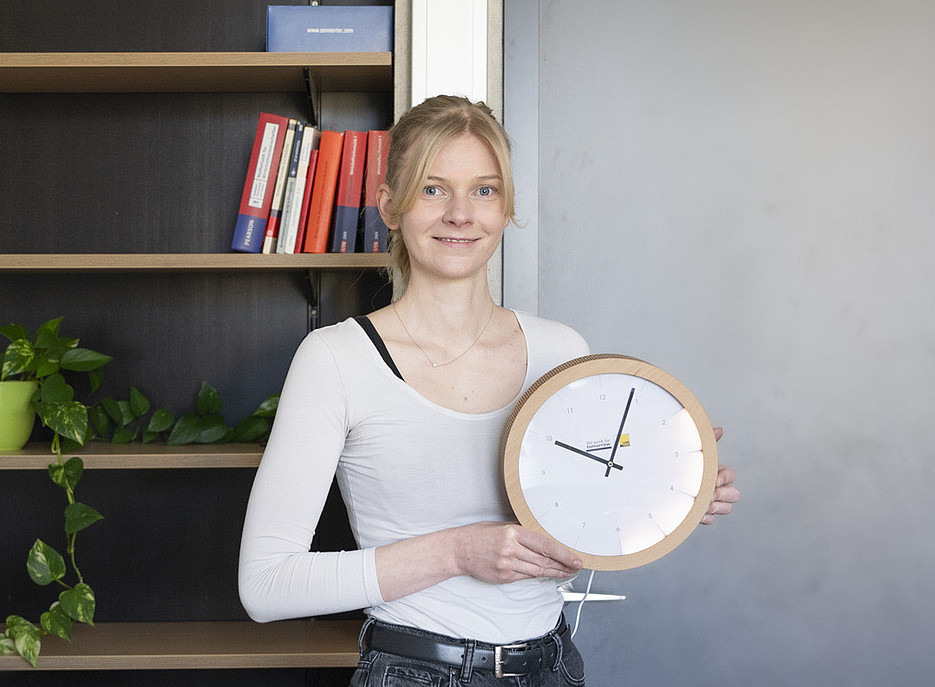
[457,220]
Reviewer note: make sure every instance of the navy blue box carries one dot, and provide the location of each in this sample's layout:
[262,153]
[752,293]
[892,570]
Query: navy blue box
[332,28]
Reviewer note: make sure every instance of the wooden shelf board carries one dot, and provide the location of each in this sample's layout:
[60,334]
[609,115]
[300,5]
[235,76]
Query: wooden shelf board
[136,455]
[199,645]
[130,262]
[210,72]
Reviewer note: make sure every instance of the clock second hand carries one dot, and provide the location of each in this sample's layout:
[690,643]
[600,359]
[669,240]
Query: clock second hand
[603,461]
[626,411]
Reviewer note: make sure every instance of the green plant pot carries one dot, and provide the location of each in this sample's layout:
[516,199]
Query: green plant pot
[16,414]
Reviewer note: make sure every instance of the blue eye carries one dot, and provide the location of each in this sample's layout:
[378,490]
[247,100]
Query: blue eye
[485,191]
[430,190]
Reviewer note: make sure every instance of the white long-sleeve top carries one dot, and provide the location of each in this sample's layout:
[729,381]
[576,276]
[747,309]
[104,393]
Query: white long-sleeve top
[405,466]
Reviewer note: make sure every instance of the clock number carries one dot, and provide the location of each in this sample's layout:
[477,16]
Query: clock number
[663,423]
[569,411]
[676,454]
[602,397]
[549,438]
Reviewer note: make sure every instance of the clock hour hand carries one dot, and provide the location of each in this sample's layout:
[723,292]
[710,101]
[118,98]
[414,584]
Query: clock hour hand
[602,461]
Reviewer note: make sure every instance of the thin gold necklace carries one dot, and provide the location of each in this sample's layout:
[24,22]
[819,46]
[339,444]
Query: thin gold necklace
[432,362]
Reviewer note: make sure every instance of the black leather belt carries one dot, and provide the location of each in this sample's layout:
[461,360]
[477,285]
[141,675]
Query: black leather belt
[507,660]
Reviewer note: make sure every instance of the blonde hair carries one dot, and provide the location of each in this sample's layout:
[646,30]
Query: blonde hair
[415,141]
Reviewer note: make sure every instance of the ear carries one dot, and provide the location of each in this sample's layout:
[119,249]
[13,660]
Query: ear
[384,201]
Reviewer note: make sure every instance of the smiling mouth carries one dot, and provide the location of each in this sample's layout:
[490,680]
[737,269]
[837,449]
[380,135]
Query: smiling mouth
[456,241]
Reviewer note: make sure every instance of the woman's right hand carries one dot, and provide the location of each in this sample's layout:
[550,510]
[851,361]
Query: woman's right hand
[501,552]
[493,552]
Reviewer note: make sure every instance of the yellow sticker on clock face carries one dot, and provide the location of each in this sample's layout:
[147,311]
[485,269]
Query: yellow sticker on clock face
[624,439]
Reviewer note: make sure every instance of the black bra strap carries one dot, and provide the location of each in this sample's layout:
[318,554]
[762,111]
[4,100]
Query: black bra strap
[377,340]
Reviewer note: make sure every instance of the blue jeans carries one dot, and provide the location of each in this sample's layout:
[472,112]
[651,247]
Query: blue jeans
[381,669]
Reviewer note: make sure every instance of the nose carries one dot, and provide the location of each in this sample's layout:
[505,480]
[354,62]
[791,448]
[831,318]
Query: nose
[458,211]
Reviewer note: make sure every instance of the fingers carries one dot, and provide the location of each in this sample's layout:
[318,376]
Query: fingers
[550,556]
[725,476]
[506,552]
[725,495]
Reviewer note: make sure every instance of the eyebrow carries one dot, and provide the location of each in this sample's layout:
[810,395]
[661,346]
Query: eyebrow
[482,177]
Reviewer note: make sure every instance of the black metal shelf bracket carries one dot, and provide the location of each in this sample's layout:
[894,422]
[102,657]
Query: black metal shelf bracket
[313,299]
[313,96]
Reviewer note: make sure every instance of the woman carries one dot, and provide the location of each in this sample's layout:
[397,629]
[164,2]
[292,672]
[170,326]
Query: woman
[406,407]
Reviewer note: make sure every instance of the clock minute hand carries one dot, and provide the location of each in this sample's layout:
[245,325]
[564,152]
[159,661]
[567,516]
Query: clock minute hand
[602,461]
[623,420]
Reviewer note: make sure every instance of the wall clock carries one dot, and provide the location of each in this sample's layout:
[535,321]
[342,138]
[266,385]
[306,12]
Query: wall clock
[611,456]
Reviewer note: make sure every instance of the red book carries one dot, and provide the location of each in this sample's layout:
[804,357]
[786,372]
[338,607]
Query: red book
[375,232]
[279,192]
[323,189]
[257,198]
[350,187]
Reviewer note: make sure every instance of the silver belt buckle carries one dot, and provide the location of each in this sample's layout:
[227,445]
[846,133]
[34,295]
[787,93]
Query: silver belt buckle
[498,660]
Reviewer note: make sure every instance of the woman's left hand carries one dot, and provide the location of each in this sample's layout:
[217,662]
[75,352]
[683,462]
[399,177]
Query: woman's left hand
[725,493]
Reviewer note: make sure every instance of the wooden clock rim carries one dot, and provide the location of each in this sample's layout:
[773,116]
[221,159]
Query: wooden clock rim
[588,366]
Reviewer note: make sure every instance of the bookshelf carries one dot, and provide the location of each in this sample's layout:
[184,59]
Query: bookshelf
[196,262]
[200,645]
[180,72]
[72,90]
[137,456]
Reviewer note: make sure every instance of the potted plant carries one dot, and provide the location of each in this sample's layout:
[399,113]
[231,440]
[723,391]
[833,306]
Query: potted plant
[38,362]
[31,383]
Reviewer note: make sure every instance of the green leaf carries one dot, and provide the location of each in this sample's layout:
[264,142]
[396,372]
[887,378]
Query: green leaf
[79,603]
[14,332]
[71,446]
[45,364]
[49,328]
[186,430]
[97,378]
[209,400]
[250,429]
[78,516]
[123,435]
[83,360]
[199,430]
[68,419]
[100,419]
[57,622]
[160,421]
[7,645]
[74,469]
[19,358]
[118,411]
[57,474]
[55,346]
[44,564]
[68,474]
[268,407]
[25,637]
[213,429]
[139,404]
[56,390]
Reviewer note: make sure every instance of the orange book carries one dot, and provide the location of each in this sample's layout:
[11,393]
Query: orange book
[306,198]
[323,191]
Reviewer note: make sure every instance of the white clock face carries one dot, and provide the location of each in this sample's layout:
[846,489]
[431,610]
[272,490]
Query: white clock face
[611,464]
